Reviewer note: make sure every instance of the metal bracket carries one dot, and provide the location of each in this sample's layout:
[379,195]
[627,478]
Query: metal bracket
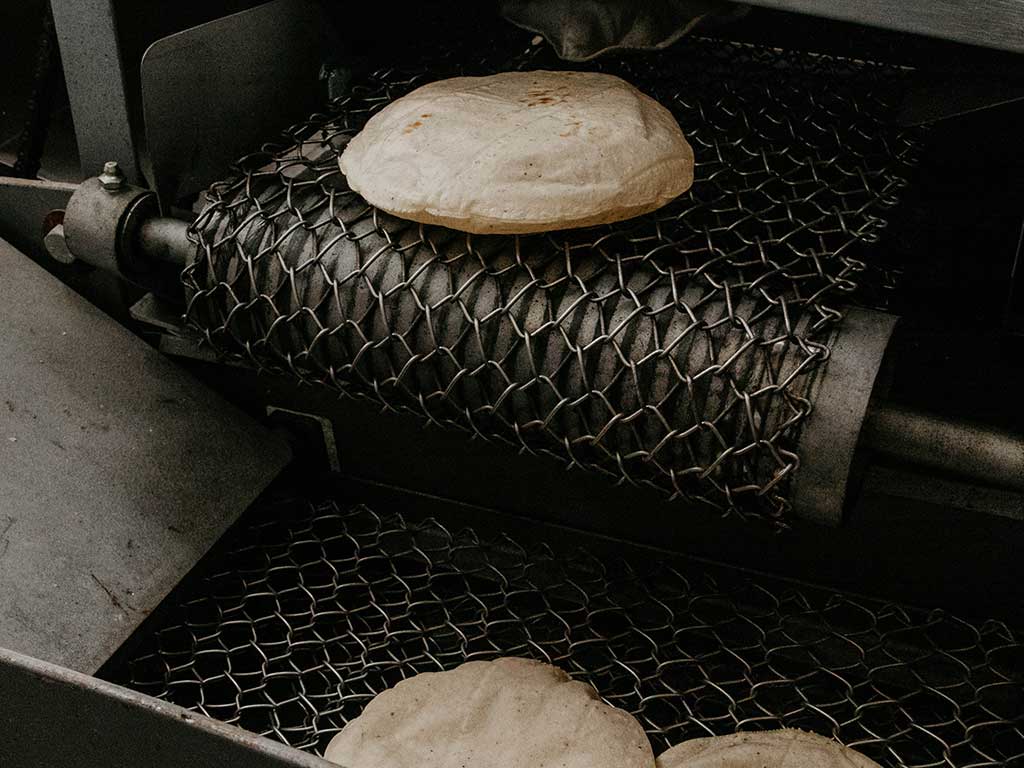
[213,93]
[153,311]
[312,425]
[24,205]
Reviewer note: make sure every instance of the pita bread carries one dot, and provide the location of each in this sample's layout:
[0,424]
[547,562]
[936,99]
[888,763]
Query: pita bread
[786,748]
[508,713]
[520,152]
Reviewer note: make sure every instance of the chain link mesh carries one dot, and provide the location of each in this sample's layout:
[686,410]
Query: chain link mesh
[312,610]
[678,350]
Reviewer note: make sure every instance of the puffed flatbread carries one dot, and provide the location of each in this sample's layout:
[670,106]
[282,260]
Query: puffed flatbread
[786,748]
[520,152]
[507,713]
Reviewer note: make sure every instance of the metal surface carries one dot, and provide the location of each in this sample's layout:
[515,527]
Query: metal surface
[117,471]
[990,23]
[1014,315]
[95,222]
[95,76]
[310,609]
[826,479]
[115,227]
[58,718]
[206,91]
[154,312]
[934,97]
[675,350]
[24,204]
[949,446]
[57,246]
[165,240]
[947,492]
[45,80]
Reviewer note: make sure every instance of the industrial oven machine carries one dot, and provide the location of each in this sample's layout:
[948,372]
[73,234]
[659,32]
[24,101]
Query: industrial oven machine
[754,460]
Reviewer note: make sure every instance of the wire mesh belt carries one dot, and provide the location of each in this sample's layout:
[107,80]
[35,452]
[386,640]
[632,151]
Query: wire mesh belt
[312,611]
[678,350]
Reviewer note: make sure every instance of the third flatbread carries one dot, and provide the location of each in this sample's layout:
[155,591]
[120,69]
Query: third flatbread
[786,748]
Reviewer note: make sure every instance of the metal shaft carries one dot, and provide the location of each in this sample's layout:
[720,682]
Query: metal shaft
[166,240]
[969,450]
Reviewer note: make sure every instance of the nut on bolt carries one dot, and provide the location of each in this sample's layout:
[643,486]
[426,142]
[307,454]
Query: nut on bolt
[112,178]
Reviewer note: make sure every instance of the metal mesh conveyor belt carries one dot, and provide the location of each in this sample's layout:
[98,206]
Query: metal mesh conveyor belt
[310,610]
[679,350]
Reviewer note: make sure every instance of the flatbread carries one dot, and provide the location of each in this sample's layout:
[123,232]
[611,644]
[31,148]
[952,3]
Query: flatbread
[786,748]
[520,152]
[508,713]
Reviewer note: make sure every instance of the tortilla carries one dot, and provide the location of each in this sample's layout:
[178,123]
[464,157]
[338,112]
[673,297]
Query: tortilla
[520,152]
[507,713]
[786,748]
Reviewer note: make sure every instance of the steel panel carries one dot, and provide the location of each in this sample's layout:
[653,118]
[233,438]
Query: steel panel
[219,90]
[64,718]
[993,24]
[117,471]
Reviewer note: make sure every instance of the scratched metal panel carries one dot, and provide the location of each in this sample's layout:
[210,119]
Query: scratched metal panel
[118,471]
[69,720]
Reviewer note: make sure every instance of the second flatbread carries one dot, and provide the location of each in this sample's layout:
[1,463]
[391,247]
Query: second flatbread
[507,713]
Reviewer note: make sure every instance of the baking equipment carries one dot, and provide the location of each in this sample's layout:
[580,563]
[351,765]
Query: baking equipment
[724,350]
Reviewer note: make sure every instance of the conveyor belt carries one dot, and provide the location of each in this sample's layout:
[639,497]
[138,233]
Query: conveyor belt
[679,350]
[310,608]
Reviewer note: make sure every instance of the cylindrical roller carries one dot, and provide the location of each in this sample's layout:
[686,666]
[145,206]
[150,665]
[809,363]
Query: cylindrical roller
[823,484]
[115,227]
[851,423]
[993,456]
[607,362]
[100,223]
[165,240]
[596,359]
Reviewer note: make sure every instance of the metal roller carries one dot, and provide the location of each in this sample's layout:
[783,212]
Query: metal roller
[697,350]
[681,350]
[848,418]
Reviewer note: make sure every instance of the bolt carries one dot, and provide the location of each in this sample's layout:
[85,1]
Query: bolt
[112,179]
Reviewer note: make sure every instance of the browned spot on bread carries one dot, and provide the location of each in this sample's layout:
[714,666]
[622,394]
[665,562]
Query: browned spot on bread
[412,127]
[536,96]
[428,114]
[572,128]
